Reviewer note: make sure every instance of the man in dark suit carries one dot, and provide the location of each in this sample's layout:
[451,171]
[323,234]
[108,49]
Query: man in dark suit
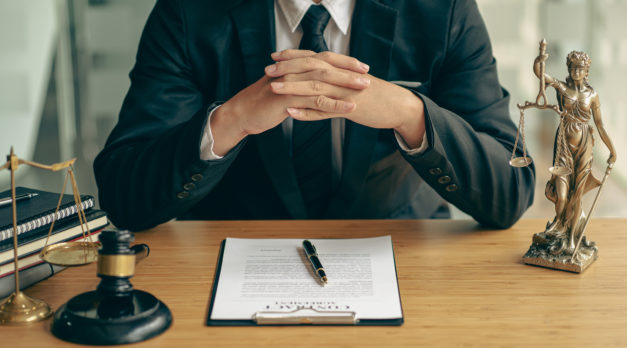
[215,127]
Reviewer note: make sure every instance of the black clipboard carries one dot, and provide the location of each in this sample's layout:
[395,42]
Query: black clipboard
[272,318]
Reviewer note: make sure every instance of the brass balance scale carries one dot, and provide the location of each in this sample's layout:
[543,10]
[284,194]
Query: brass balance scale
[19,308]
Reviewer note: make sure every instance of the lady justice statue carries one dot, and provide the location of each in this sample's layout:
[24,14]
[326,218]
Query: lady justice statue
[563,244]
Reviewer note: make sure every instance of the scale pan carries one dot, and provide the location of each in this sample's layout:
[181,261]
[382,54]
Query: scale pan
[559,170]
[520,162]
[71,253]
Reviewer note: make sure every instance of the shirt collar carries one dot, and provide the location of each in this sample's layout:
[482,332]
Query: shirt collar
[340,10]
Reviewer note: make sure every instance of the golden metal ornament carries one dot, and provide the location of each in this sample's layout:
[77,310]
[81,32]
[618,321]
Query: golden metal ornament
[70,253]
[18,308]
[117,265]
[562,245]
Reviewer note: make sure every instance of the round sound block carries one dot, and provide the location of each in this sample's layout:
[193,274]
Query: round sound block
[90,319]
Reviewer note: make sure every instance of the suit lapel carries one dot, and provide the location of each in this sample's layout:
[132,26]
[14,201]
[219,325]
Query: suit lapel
[254,22]
[372,37]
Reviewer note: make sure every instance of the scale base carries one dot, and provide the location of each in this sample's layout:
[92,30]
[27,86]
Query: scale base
[20,309]
[90,319]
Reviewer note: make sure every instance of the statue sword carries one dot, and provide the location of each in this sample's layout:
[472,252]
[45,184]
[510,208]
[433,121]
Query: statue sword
[583,228]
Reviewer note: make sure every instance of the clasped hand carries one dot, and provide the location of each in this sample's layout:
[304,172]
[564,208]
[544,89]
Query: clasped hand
[311,86]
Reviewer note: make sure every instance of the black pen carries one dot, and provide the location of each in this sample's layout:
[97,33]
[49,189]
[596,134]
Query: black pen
[312,255]
[8,200]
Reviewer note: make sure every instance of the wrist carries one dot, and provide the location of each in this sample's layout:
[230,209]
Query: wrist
[412,128]
[226,129]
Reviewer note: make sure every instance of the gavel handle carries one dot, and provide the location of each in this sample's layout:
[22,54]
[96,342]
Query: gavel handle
[141,251]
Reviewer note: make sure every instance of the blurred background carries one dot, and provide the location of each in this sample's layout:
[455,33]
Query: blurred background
[64,68]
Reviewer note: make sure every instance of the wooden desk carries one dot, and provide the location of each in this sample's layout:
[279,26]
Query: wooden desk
[460,286]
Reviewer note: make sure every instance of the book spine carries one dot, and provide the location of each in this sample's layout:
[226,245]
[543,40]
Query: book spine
[28,277]
[46,219]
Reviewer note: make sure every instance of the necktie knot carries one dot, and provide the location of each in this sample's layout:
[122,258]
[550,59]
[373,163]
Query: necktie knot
[313,24]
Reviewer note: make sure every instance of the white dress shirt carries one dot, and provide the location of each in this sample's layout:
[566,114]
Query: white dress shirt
[287,15]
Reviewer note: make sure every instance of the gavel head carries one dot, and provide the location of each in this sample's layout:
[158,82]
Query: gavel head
[116,264]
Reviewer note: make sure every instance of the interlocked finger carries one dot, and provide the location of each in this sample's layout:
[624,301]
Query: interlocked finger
[337,60]
[322,104]
[295,66]
[337,77]
[310,88]
[309,114]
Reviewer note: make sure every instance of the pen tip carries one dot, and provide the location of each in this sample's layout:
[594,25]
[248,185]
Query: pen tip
[324,280]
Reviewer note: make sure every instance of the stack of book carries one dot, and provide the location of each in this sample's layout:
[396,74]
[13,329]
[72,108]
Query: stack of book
[35,214]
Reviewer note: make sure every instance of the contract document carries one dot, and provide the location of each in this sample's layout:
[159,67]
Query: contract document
[275,277]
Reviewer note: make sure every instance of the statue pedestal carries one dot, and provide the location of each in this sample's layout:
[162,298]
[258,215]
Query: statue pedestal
[548,253]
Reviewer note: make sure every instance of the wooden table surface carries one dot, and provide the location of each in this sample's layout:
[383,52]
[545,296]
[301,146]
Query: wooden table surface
[460,285]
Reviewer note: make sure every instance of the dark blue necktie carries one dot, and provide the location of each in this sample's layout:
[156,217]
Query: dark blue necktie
[312,139]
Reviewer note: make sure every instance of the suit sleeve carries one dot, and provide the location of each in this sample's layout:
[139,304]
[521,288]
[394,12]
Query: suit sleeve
[470,133]
[150,169]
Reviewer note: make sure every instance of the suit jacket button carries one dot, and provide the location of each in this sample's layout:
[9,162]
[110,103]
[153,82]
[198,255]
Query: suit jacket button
[451,188]
[182,194]
[444,179]
[435,171]
[197,177]
[189,186]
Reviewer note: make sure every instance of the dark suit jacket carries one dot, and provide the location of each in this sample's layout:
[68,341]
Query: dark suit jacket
[194,53]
